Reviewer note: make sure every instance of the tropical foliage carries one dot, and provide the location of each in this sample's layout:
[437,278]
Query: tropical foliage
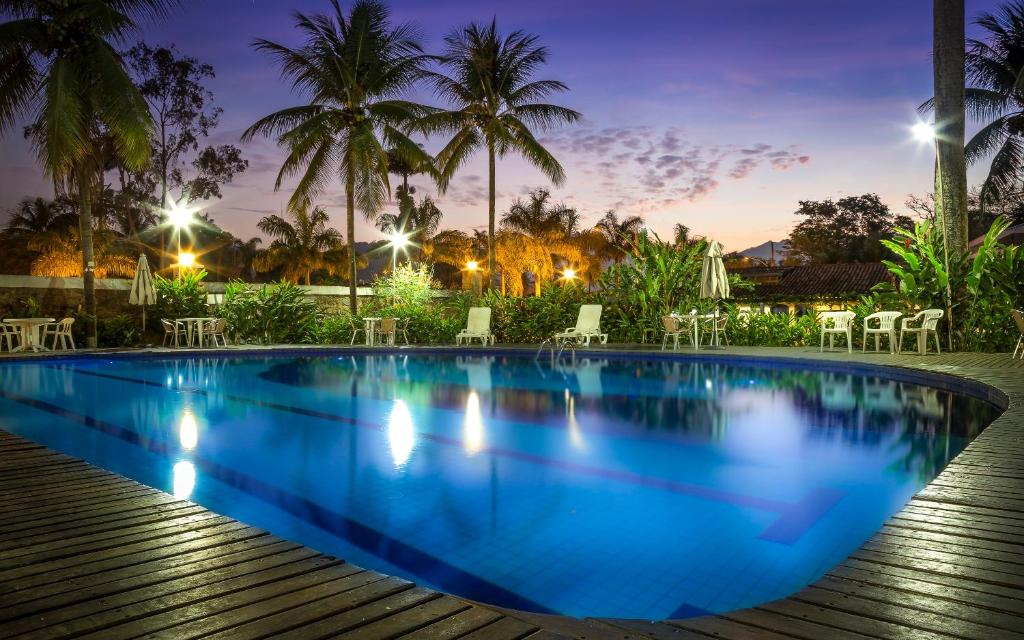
[488,80]
[301,246]
[268,314]
[183,297]
[352,68]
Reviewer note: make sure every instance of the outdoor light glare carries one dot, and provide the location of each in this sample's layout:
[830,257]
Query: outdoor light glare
[569,274]
[401,433]
[188,431]
[186,259]
[472,265]
[923,131]
[183,479]
[399,240]
[180,217]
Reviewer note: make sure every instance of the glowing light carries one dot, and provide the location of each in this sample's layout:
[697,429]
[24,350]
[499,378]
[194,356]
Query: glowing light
[923,131]
[178,216]
[401,433]
[569,274]
[473,427]
[575,433]
[707,384]
[184,479]
[398,240]
[472,265]
[188,431]
[186,259]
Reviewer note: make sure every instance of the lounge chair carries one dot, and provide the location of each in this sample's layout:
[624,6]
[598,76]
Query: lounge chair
[836,323]
[1018,317]
[588,325]
[921,325]
[478,325]
[886,327]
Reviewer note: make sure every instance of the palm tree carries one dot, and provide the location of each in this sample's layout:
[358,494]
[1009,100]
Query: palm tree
[352,68]
[618,235]
[552,227]
[60,65]
[39,215]
[493,98]
[60,255]
[399,165]
[300,247]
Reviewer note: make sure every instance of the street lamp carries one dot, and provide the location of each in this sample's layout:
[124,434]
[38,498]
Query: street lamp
[473,267]
[187,260]
[179,217]
[926,132]
[569,274]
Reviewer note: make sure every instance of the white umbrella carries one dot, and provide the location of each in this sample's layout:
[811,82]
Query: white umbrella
[714,281]
[143,292]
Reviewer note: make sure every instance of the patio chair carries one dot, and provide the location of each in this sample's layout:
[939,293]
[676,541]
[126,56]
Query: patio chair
[588,325]
[172,330]
[478,325]
[386,330]
[215,330]
[921,325]
[1018,317]
[836,323]
[403,328]
[60,331]
[886,327]
[676,326]
[719,324]
[10,336]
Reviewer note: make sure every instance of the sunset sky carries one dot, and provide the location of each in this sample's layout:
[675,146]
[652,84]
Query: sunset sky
[719,114]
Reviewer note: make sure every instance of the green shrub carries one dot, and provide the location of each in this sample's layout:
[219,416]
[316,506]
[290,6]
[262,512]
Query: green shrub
[773,329]
[519,320]
[333,330]
[184,298]
[270,314]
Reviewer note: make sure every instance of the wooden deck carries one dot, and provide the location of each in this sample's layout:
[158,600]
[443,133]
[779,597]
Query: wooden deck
[87,553]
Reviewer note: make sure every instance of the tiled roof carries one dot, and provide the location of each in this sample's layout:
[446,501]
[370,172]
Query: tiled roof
[836,281]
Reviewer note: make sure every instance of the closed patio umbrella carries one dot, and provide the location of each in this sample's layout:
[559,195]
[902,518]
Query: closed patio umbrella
[714,281]
[143,292]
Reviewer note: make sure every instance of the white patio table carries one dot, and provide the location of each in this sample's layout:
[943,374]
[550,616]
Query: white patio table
[371,330]
[196,325]
[29,329]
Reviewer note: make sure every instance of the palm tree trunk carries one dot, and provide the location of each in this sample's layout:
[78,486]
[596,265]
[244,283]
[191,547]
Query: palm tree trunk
[350,213]
[491,261]
[951,165]
[88,258]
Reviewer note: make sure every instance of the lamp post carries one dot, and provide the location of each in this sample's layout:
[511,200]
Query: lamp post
[180,218]
[926,132]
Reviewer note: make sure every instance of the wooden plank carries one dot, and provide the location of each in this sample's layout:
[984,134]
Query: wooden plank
[865,625]
[199,568]
[652,630]
[53,529]
[229,619]
[150,616]
[70,511]
[346,621]
[456,626]
[790,626]
[411,619]
[726,629]
[311,612]
[903,613]
[502,629]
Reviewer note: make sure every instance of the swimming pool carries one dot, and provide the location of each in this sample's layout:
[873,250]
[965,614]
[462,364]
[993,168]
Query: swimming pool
[619,486]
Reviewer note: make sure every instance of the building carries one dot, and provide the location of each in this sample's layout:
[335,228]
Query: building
[808,288]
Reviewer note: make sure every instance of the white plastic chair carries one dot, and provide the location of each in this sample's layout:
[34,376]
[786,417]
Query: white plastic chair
[886,327]
[1018,317]
[60,331]
[588,325]
[478,325]
[921,325]
[10,335]
[837,323]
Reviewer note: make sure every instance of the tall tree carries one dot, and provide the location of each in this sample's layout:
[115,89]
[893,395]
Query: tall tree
[951,165]
[490,87]
[352,67]
[848,230]
[418,221]
[301,246]
[39,215]
[59,64]
[552,228]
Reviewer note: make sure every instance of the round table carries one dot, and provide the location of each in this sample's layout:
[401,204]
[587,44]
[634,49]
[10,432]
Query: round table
[29,330]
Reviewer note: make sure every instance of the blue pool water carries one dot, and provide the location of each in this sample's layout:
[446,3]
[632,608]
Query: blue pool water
[621,487]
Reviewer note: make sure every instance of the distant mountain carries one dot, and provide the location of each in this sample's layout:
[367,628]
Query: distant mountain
[764,251]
